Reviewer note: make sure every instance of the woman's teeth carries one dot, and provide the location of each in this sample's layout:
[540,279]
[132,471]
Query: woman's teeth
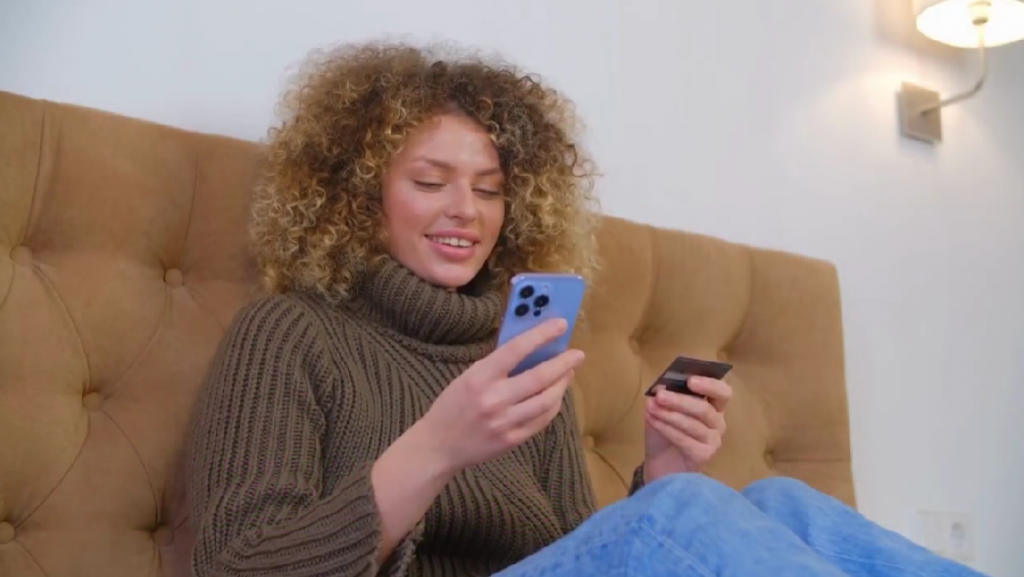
[451,241]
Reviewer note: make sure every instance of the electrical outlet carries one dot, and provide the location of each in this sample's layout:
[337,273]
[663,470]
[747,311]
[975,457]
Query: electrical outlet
[946,533]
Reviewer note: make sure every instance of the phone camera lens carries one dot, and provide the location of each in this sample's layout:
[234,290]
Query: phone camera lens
[541,301]
[526,292]
[522,309]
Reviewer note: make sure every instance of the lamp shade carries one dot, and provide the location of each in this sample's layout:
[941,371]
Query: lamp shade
[953,21]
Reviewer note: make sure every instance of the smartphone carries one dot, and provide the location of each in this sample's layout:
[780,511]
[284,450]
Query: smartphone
[677,375]
[534,298]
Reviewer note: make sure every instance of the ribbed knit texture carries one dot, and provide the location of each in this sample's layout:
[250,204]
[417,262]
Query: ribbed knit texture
[303,396]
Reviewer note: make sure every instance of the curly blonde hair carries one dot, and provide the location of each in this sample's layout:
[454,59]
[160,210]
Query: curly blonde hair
[317,214]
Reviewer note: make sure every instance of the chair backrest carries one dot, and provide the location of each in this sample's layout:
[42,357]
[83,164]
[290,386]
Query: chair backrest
[123,256]
[776,317]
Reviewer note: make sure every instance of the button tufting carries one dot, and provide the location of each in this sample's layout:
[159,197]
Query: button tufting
[163,537]
[22,255]
[769,458]
[588,443]
[173,278]
[6,532]
[93,402]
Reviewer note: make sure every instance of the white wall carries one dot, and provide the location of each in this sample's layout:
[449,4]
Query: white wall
[774,126]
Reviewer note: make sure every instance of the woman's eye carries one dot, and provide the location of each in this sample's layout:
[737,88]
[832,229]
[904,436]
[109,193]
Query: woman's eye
[429,185]
[489,192]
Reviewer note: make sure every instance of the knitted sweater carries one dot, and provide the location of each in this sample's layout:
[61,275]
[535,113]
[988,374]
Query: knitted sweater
[301,399]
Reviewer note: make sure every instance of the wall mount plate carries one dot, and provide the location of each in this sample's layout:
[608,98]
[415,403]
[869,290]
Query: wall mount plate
[926,127]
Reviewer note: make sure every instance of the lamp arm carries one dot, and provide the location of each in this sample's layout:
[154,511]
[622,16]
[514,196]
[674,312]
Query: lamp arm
[963,95]
[982,55]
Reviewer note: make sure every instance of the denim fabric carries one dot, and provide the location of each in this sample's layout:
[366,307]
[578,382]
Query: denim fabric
[690,524]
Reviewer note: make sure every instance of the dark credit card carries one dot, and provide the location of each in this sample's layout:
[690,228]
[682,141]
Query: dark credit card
[678,373]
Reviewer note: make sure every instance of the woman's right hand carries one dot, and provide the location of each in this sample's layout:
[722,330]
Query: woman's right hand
[484,412]
[480,415]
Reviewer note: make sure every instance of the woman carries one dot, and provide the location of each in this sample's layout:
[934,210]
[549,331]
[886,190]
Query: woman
[361,422]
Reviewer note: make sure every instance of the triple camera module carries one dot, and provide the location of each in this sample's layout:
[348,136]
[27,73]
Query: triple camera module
[532,303]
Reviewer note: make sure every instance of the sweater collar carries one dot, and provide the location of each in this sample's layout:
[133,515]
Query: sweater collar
[396,297]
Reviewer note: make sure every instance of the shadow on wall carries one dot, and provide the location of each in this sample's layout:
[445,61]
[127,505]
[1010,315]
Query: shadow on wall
[999,114]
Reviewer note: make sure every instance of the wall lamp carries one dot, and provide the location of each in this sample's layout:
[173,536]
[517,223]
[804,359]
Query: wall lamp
[975,24]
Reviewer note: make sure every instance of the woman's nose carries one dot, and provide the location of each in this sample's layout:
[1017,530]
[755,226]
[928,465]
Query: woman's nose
[461,202]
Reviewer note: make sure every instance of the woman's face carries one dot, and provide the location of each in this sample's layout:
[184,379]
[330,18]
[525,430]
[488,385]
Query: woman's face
[443,201]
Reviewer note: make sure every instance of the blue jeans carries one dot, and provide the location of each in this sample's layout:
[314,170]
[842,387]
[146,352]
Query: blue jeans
[690,524]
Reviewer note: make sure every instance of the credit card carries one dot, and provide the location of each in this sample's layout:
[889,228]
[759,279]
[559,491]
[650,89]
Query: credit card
[676,376]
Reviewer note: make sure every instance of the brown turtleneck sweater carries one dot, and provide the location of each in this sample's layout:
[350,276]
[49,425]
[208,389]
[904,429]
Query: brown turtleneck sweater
[302,398]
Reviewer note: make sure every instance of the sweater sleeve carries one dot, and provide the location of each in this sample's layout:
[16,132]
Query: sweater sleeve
[567,481]
[255,484]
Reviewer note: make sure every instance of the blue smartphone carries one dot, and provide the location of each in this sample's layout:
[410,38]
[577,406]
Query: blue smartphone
[534,298]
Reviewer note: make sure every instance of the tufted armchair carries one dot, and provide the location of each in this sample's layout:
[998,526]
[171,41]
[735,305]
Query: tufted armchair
[123,257]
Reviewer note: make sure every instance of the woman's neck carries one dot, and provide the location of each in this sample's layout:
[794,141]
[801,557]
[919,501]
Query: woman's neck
[399,299]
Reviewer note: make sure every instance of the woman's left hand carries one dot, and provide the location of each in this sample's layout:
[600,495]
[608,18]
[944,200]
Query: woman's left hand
[683,432]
